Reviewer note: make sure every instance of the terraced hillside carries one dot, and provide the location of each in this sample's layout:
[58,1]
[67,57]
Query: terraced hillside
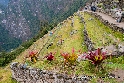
[71,37]
[66,36]
[100,34]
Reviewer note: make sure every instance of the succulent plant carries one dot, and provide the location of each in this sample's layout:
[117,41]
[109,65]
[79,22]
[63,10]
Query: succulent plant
[50,56]
[96,57]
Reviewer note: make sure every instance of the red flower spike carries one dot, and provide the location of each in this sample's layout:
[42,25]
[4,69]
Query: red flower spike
[99,51]
[65,55]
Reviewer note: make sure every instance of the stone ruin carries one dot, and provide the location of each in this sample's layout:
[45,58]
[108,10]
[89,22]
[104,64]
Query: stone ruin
[23,74]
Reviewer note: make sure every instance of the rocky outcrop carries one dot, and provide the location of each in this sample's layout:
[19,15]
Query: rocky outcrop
[24,74]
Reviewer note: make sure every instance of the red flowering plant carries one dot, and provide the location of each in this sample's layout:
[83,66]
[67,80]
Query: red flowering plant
[96,57]
[50,56]
[33,56]
[69,58]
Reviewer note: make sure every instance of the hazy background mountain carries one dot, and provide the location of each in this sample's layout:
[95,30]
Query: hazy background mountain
[7,41]
[4,2]
[21,20]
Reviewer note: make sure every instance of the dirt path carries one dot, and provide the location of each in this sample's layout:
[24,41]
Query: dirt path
[119,75]
[110,19]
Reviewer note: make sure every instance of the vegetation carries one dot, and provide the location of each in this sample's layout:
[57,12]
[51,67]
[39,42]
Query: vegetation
[49,12]
[70,58]
[4,2]
[96,57]
[56,53]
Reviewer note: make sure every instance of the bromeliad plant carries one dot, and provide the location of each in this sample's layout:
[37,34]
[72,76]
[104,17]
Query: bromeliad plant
[33,56]
[69,58]
[50,56]
[96,57]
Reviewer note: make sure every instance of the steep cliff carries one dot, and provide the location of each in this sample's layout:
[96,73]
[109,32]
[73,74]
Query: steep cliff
[21,18]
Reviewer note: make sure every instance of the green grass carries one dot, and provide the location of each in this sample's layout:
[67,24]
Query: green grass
[116,63]
[5,75]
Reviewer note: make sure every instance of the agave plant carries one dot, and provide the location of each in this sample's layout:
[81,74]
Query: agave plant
[70,58]
[33,56]
[96,57]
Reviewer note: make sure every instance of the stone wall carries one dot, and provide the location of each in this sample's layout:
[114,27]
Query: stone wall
[87,41]
[111,25]
[24,74]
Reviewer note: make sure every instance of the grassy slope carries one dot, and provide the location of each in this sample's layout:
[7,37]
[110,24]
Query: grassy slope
[101,34]
[70,42]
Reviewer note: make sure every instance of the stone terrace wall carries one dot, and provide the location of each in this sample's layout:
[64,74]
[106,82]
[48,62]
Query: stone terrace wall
[111,25]
[87,40]
[24,74]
